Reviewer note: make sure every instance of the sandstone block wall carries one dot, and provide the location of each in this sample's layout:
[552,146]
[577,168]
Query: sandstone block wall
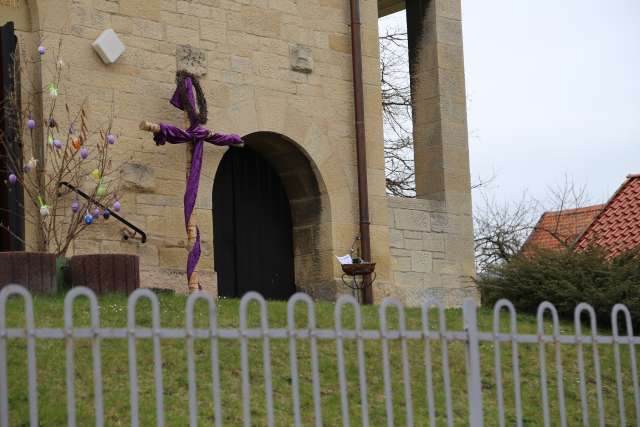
[278,66]
[431,252]
[282,67]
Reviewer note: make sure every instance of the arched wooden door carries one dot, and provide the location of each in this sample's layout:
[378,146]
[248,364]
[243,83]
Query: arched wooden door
[252,228]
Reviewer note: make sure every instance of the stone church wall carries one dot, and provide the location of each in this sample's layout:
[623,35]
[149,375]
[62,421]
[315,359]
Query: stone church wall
[281,67]
[278,66]
[430,252]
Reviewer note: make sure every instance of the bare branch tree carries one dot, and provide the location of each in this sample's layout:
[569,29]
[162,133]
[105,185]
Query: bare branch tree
[396,113]
[501,230]
[397,118]
[70,153]
[566,224]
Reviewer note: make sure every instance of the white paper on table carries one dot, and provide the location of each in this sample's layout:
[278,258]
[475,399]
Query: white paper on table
[345,259]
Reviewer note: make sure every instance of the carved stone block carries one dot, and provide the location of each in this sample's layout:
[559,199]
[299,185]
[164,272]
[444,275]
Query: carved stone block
[191,59]
[138,176]
[301,59]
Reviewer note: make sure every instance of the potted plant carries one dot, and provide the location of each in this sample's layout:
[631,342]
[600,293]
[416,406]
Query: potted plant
[64,170]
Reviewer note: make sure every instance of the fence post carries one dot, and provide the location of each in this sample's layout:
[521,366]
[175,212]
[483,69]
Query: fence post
[474,386]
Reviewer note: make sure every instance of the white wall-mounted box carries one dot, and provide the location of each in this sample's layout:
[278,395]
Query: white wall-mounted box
[108,46]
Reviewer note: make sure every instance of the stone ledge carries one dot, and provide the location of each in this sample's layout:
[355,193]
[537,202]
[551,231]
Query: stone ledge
[416,204]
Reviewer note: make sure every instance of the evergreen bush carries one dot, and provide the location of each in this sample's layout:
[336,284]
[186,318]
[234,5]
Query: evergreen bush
[566,278]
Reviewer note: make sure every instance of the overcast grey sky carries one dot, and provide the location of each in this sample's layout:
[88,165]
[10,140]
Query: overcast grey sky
[553,88]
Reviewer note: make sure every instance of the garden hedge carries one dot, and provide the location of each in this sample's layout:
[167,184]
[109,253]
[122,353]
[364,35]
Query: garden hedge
[566,278]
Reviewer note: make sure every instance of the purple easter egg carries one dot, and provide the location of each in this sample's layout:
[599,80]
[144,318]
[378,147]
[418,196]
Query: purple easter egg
[57,143]
[84,153]
[96,213]
[88,219]
[75,206]
[12,179]
[117,206]
[111,139]
[31,124]
[41,50]
[106,214]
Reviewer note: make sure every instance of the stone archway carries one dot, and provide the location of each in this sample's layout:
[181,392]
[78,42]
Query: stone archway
[310,211]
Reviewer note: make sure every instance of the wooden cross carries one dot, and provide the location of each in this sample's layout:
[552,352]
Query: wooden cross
[194,135]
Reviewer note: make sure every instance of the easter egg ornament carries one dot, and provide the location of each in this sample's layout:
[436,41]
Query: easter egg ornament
[31,124]
[57,144]
[101,191]
[75,206]
[12,179]
[84,153]
[44,209]
[117,206]
[96,213]
[41,50]
[111,139]
[88,219]
[106,214]
[30,165]
[53,90]
[95,174]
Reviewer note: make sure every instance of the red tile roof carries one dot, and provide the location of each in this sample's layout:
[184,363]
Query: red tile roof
[617,227]
[557,230]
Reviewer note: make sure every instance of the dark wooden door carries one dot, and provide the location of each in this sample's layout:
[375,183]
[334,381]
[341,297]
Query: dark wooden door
[11,197]
[252,228]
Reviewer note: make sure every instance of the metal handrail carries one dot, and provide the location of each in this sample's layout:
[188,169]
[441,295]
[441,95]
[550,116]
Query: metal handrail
[137,230]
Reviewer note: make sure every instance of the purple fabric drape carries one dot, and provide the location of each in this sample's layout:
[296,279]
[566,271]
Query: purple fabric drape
[197,135]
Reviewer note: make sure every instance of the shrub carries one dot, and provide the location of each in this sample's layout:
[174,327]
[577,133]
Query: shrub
[566,278]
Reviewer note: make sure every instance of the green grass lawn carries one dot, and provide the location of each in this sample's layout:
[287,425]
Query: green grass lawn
[52,390]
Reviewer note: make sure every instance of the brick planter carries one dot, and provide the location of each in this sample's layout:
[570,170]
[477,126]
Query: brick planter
[106,273]
[36,271]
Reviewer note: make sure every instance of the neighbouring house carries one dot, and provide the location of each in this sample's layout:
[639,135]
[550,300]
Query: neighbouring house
[560,229]
[617,226]
[280,74]
[614,226]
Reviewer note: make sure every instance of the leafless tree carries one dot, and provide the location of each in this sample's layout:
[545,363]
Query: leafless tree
[563,198]
[501,230]
[396,112]
[53,148]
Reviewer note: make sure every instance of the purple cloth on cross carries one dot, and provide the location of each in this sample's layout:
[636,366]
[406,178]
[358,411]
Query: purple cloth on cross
[175,99]
[196,135]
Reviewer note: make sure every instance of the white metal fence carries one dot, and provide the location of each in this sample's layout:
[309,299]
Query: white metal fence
[627,396]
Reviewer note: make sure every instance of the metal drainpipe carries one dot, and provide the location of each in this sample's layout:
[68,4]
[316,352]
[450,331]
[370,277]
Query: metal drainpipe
[361,144]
